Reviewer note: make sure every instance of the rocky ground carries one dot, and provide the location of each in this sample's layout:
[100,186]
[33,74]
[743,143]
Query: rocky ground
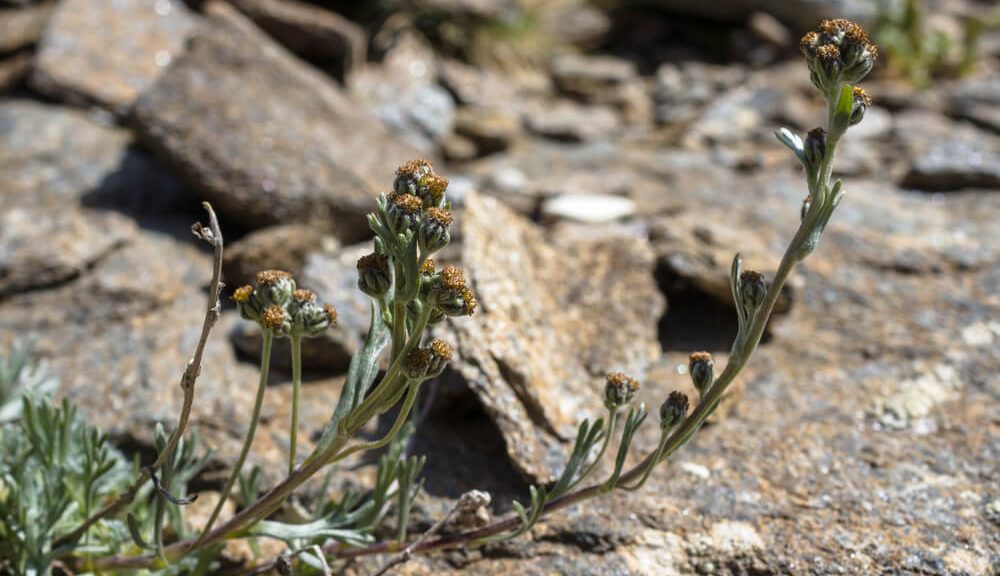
[601,192]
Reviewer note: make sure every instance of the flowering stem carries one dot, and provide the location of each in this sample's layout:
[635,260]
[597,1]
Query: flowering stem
[265,364]
[293,433]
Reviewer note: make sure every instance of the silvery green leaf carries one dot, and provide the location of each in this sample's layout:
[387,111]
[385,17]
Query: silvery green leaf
[793,141]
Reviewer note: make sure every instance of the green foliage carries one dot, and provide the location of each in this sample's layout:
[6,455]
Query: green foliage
[54,469]
[920,54]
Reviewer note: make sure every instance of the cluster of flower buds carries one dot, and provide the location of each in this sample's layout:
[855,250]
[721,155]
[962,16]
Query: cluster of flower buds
[619,390]
[449,294]
[278,306]
[429,362]
[417,203]
[838,51]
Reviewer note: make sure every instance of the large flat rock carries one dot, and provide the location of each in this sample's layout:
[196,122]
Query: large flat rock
[553,320]
[77,63]
[262,136]
[52,156]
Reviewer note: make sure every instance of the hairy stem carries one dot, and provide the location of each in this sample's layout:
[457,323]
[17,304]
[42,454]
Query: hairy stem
[293,433]
[265,364]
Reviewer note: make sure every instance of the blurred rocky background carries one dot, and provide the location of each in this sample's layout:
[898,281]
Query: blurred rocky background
[606,160]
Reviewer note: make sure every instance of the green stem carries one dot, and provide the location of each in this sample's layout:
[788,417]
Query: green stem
[265,364]
[404,412]
[293,433]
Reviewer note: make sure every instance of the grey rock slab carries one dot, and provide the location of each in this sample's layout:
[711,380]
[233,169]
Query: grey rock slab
[262,136]
[312,32]
[284,247]
[76,62]
[402,90]
[553,319]
[571,122]
[603,80]
[947,155]
[22,26]
[41,248]
[52,156]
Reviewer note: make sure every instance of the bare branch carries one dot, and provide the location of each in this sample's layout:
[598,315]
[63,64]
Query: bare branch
[212,235]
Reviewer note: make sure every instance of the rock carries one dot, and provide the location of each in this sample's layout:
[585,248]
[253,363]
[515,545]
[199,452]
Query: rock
[977,101]
[402,91]
[272,141]
[736,115]
[41,248]
[683,90]
[603,80]
[285,247]
[14,69]
[694,256]
[946,156]
[334,279]
[52,156]
[571,122]
[477,87]
[536,351]
[315,34]
[591,208]
[489,129]
[74,63]
[22,27]
[769,29]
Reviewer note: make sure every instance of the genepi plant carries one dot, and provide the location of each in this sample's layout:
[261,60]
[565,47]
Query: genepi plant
[82,527]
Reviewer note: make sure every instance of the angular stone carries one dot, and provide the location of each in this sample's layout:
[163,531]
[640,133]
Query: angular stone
[946,155]
[74,61]
[315,34]
[592,208]
[41,248]
[284,247]
[52,156]
[604,80]
[546,332]
[22,27]
[489,129]
[571,122]
[272,141]
[402,91]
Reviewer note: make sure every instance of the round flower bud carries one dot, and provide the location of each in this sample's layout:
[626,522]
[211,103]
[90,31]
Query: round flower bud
[814,147]
[417,362]
[701,367]
[408,176]
[449,293]
[861,102]
[276,320]
[838,51]
[417,177]
[619,390]
[440,355]
[673,410]
[753,288]
[374,277]
[308,317]
[433,234]
[248,302]
[403,212]
[275,287]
